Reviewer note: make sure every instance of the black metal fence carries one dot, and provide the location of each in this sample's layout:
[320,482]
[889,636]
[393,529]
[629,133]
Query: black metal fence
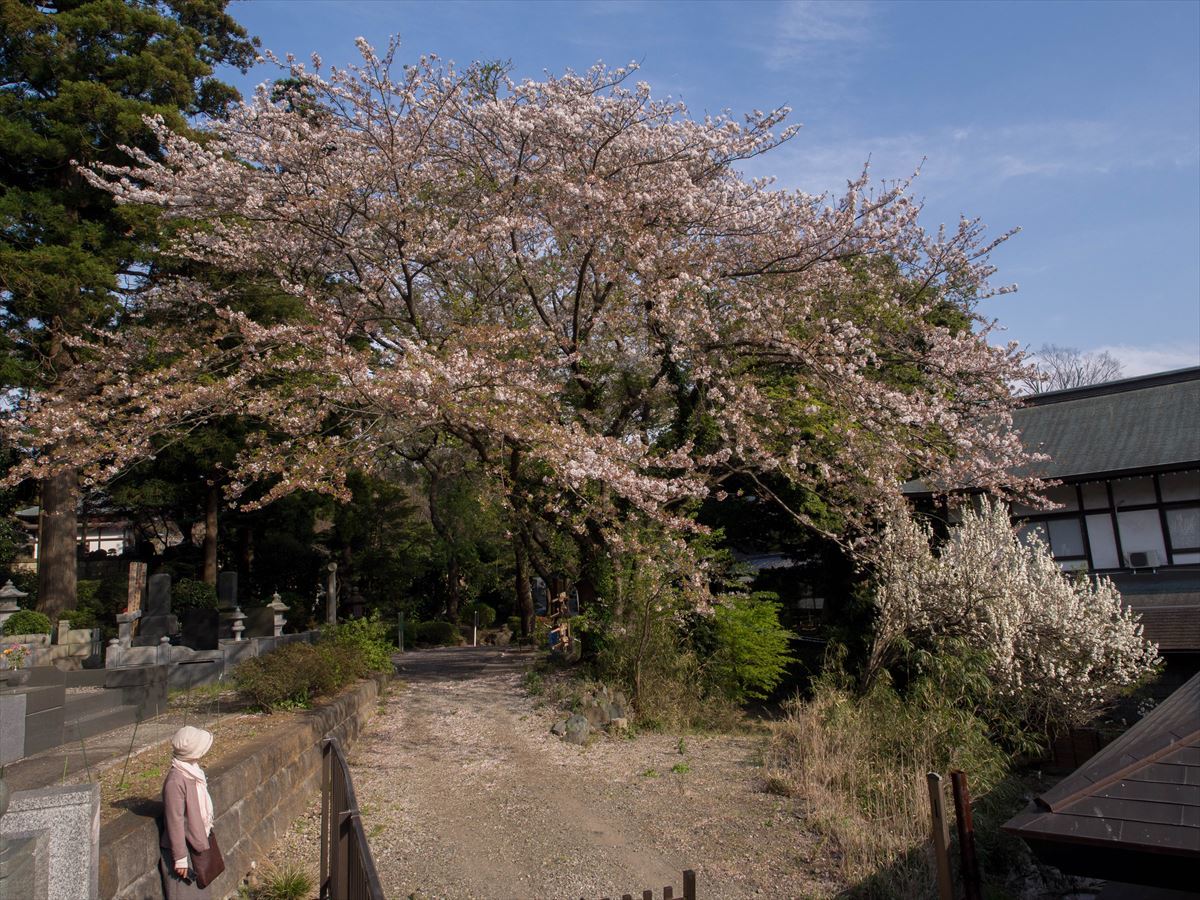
[347,869]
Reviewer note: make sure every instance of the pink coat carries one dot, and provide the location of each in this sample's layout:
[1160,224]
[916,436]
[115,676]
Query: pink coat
[183,827]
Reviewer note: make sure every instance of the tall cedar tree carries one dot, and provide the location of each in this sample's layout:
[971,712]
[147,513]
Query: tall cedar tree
[78,77]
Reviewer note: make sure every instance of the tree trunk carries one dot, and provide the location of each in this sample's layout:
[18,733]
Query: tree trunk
[524,593]
[245,552]
[452,595]
[520,551]
[212,503]
[57,543]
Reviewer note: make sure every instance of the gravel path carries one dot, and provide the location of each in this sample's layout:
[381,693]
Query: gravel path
[465,794]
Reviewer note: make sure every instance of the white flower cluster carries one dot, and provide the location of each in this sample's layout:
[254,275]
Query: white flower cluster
[1061,647]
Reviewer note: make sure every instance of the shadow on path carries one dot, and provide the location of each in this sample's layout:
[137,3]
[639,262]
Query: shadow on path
[460,663]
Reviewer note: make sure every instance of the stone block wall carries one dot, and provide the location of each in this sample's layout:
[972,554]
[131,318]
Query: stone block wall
[71,648]
[257,793]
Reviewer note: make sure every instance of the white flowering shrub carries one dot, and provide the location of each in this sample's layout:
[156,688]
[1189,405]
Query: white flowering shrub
[1058,648]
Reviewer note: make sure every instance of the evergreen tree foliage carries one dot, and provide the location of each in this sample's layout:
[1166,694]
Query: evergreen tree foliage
[79,76]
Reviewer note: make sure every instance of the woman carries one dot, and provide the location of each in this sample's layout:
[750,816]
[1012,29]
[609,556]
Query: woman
[187,817]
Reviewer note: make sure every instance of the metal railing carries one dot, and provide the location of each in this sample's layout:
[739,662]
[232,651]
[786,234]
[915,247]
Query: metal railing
[347,869]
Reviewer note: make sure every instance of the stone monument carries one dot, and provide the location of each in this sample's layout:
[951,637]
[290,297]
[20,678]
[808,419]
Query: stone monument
[157,620]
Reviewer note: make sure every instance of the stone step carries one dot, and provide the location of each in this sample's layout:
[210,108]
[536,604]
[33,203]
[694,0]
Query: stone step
[98,723]
[87,703]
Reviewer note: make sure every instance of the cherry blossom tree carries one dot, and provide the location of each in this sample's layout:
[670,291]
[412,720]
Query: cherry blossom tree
[543,273]
[1060,648]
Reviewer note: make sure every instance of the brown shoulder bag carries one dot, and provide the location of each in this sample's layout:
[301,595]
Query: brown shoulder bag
[208,864]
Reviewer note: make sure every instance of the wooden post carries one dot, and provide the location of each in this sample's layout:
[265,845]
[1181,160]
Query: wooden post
[941,835]
[689,884]
[400,630]
[966,835]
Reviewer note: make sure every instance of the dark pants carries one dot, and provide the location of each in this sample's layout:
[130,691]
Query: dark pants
[174,887]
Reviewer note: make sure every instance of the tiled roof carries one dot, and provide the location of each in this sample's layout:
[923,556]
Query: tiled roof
[1170,627]
[1140,795]
[1137,423]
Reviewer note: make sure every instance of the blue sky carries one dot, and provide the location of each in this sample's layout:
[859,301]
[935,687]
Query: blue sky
[1078,122]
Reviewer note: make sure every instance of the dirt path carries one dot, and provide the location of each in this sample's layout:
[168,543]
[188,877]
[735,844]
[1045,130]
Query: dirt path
[466,794]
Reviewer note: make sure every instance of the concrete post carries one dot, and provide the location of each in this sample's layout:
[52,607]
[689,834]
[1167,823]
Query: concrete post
[112,659]
[331,595]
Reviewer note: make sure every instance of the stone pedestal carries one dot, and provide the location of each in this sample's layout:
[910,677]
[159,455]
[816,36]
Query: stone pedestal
[67,819]
[126,624]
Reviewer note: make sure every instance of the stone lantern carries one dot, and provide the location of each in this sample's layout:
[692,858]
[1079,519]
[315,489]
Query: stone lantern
[279,608]
[239,623]
[9,595]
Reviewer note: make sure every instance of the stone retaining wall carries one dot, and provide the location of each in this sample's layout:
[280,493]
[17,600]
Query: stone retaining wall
[257,793]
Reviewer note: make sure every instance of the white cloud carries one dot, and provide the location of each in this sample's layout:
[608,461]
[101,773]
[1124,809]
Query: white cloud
[807,30]
[1146,360]
[986,156]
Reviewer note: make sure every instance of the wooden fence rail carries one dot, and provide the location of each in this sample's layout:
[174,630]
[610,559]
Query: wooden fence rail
[689,890]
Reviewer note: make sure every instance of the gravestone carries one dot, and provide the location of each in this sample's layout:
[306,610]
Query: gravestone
[70,818]
[199,628]
[227,590]
[227,601]
[157,621]
[260,621]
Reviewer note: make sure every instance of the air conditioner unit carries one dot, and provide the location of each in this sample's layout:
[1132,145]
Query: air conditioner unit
[1142,559]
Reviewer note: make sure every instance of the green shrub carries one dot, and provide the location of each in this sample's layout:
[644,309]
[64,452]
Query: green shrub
[295,674]
[187,593]
[514,624]
[751,648]
[86,591]
[99,600]
[371,638]
[83,617]
[487,614]
[438,634]
[28,621]
[27,583]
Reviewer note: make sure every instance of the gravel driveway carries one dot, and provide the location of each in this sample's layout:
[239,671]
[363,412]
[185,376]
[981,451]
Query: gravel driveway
[464,794]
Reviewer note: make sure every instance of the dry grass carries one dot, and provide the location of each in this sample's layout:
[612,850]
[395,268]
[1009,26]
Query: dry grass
[136,783]
[857,766]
